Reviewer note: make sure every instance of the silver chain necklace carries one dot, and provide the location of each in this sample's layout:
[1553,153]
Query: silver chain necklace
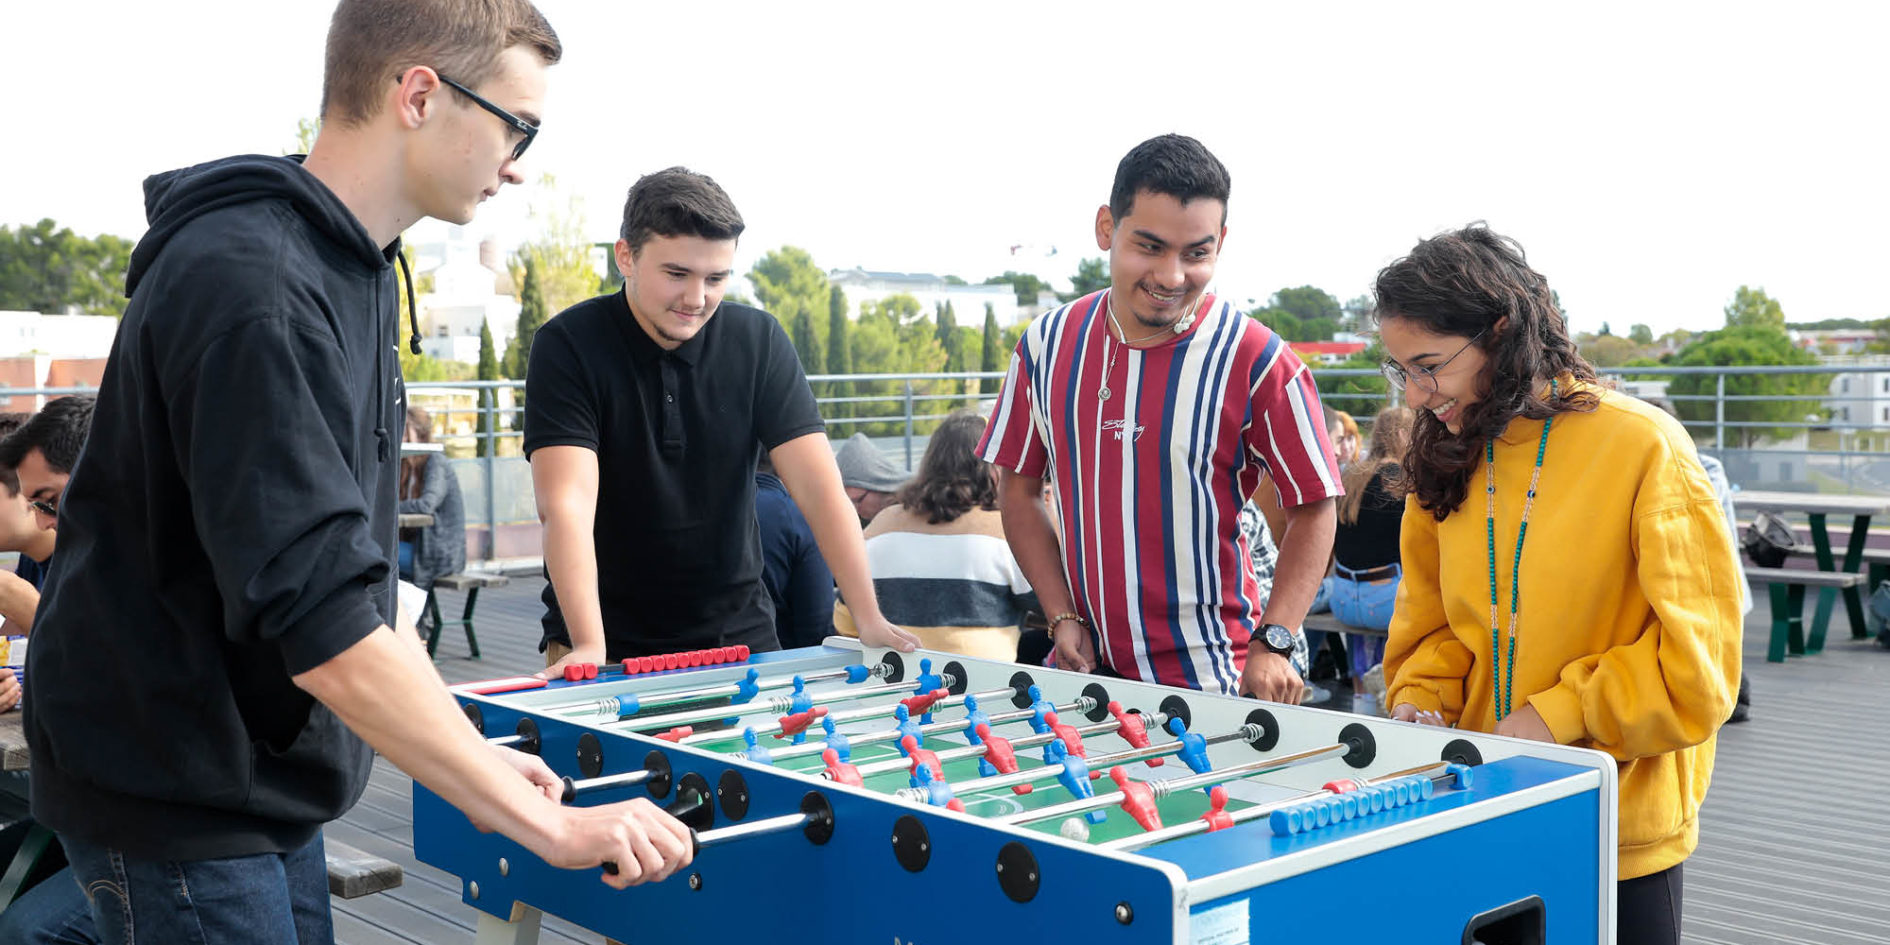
[1103,392]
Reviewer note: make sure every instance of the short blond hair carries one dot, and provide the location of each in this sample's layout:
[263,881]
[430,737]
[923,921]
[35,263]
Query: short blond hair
[374,42]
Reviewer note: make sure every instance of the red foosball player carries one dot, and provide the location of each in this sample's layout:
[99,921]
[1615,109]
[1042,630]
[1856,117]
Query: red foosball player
[1133,730]
[1138,799]
[998,757]
[921,757]
[838,770]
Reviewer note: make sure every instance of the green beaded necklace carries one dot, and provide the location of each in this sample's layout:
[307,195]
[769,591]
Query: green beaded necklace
[1503,671]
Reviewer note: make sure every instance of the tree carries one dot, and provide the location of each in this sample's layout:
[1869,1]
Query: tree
[1753,308]
[789,283]
[890,338]
[1606,350]
[839,351]
[1641,335]
[1604,333]
[531,316]
[947,335]
[305,131]
[1091,275]
[1309,304]
[1281,321]
[488,371]
[1026,285]
[805,344]
[1359,395]
[1357,311]
[48,268]
[561,253]
[955,280]
[993,359]
[1745,345]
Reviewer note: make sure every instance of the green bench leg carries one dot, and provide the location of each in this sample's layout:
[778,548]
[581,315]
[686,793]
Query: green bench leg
[38,838]
[431,613]
[1788,622]
[472,600]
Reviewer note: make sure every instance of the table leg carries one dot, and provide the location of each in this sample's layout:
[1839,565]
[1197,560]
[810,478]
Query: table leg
[1821,619]
[1853,563]
[521,929]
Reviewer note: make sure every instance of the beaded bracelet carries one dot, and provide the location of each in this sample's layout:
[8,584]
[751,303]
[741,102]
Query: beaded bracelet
[1059,618]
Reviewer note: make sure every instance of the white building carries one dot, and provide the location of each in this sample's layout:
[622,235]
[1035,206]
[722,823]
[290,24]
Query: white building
[56,336]
[1860,399]
[967,301]
[466,292]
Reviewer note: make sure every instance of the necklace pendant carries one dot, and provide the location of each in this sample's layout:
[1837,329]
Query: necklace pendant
[1103,394]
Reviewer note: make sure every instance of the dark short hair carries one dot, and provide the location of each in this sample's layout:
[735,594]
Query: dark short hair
[1176,165]
[678,202]
[952,478]
[57,430]
[374,42]
[10,422]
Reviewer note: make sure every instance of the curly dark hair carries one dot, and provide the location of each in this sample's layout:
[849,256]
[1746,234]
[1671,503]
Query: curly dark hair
[1463,283]
[952,480]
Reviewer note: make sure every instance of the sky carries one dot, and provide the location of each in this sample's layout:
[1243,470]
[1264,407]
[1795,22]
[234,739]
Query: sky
[1650,157]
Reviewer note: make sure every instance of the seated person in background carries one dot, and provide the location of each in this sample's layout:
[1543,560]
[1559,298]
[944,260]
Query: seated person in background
[870,477]
[51,909]
[940,564]
[798,579]
[20,532]
[1365,571]
[428,486]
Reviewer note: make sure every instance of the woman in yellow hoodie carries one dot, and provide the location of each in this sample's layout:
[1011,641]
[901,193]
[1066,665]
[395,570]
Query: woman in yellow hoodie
[1567,572]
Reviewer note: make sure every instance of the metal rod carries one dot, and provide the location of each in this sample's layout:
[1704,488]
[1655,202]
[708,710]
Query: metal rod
[674,696]
[1164,788]
[1082,704]
[977,751]
[1049,772]
[1192,827]
[573,789]
[753,828]
[773,705]
[868,712]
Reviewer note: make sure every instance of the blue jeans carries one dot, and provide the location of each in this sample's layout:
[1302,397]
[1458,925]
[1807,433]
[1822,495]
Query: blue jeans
[266,897]
[51,913]
[1365,604]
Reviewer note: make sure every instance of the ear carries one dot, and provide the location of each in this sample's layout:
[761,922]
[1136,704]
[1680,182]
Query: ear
[625,257]
[1502,325]
[1105,228]
[416,97]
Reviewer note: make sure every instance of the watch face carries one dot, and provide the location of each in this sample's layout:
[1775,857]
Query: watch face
[1279,638]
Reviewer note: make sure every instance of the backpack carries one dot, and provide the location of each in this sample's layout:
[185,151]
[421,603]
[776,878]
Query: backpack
[1769,540]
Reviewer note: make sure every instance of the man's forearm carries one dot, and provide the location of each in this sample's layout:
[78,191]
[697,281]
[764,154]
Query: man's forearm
[1305,546]
[571,563]
[387,691]
[1033,541]
[19,602]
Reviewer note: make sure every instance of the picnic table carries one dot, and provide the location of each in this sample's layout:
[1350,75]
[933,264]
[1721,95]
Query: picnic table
[1815,507]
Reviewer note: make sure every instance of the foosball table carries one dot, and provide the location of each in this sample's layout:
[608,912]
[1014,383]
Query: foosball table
[841,794]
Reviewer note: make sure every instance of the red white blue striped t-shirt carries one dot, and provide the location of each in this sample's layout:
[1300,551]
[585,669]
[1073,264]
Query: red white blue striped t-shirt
[1151,479]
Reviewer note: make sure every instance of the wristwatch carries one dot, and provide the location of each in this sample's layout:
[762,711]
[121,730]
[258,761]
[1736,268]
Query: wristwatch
[1276,639]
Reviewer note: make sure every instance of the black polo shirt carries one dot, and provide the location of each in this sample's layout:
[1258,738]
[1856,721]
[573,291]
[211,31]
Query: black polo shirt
[676,435]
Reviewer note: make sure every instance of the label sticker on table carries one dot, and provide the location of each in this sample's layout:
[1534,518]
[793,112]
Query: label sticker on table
[1221,925]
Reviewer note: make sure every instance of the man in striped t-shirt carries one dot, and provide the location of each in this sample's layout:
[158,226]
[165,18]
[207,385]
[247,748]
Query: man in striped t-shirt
[1154,407]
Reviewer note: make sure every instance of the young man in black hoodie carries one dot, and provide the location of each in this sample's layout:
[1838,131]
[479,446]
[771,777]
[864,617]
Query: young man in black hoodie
[218,621]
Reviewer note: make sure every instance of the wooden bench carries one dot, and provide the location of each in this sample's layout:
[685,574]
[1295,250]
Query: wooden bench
[1788,607]
[353,874]
[470,582]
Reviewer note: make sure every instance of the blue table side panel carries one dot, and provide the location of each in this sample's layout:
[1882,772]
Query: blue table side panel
[1427,890]
[1254,841]
[782,888]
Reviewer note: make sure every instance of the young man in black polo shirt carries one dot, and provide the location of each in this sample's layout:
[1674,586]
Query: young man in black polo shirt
[644,412]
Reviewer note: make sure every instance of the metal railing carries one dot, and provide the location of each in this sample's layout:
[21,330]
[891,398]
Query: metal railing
[482,424]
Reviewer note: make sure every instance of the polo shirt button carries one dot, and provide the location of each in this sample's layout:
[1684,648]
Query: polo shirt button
[669,398]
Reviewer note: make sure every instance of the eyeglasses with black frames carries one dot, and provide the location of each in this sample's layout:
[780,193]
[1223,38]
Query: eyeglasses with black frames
[1424,377]
[525,129]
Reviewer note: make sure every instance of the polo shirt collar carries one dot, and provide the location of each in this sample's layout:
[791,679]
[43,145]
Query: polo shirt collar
[643,348]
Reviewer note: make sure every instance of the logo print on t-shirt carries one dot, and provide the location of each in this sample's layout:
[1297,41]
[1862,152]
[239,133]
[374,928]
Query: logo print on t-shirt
[1122,428]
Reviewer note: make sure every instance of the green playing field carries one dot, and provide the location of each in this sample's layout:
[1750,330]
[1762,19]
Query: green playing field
[1177,808]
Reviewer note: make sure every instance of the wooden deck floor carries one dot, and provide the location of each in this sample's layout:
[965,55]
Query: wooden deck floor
[1795,842]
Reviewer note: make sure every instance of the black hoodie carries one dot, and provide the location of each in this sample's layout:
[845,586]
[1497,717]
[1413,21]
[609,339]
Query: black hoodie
[230,523]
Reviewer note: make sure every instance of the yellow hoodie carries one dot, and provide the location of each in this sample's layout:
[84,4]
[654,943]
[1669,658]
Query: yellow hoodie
[1629,629]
